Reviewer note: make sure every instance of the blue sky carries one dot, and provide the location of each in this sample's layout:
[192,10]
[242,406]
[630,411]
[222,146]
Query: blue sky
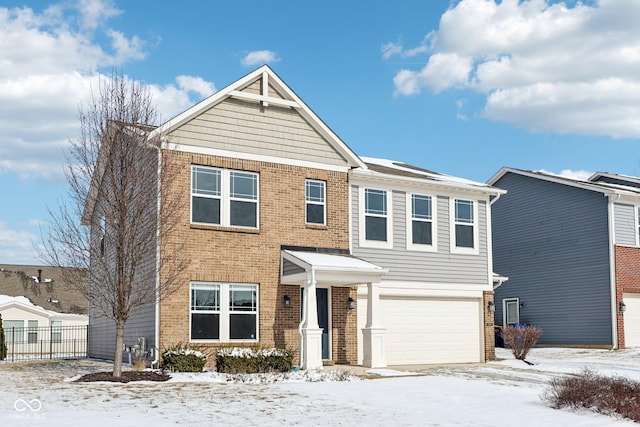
[462,87]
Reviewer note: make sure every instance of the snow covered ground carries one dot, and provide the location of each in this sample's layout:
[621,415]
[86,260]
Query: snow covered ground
[504,392]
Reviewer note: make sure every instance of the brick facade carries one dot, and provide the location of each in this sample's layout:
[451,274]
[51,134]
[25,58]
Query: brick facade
[489,334]
[627,281]
[235,255]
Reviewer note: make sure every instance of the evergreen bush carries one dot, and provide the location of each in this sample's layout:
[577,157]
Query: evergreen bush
[184,358]
[234,360]
[3,344]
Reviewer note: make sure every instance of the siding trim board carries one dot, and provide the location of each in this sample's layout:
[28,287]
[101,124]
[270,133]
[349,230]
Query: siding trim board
[267,75]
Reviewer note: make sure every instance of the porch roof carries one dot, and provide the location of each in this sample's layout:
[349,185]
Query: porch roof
[328,269]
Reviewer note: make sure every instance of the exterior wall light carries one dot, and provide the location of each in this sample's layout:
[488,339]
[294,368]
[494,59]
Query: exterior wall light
[622,307]
[287,301]
[351,303]
[491,307]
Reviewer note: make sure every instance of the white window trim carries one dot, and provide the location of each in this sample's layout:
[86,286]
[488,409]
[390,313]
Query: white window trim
[225,312]
[225,198]
[362,223]
[452,228]
[636,221]
[504,310]
[309,202]
[433,247]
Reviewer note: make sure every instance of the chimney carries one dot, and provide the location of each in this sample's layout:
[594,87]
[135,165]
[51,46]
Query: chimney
[39,276]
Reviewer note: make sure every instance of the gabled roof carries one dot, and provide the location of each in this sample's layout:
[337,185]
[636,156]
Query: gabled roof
[24,304]
[289,99]
[403,172]
[600,187]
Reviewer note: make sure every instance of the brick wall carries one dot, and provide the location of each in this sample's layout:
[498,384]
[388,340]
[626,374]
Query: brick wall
[222,254]
[489,334]
[627,281]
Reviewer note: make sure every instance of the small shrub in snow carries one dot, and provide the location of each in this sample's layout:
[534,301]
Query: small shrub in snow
[588,390]
[3,344]
[521,339]
[184,358]
[234,360]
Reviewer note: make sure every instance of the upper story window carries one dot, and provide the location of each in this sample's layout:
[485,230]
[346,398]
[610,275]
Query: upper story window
[224,197]
[375,224]
[315,202]
[638,225]
[420,222]
[465,228]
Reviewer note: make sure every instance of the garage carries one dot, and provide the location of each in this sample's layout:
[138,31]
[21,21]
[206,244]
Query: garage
[427,330]
[632,320]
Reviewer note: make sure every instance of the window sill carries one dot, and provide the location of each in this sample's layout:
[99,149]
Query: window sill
[315,226]
[224,228]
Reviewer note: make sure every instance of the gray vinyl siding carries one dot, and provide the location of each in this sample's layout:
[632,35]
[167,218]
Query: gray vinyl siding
[552,241]
[102,332]
[418,266]
[246,127]
[624,224]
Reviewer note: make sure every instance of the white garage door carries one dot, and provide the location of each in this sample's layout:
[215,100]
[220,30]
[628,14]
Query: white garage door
[428,330]
[632,320]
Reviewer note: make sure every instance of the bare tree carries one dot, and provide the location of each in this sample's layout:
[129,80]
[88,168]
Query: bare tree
[112,227]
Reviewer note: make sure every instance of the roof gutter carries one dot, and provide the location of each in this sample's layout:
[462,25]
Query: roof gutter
[156,358]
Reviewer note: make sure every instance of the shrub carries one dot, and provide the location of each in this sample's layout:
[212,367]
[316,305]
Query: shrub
[233,360]
[605,395]
[3,344]
[184,358]
[521,339]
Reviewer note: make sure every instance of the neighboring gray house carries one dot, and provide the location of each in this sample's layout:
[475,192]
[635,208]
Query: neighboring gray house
[432,233]
[571,250]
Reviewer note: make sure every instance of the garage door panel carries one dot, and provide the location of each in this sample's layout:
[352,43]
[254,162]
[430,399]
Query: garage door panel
[428,330]
[632,320]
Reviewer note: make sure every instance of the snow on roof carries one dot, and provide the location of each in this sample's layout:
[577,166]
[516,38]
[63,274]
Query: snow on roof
[419,172]
[329,261]
[4,299]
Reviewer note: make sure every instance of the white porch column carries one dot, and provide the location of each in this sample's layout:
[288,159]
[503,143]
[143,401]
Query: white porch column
[373,333]
[311,332]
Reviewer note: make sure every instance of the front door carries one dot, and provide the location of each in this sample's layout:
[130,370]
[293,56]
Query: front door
[322,295]
[322,303]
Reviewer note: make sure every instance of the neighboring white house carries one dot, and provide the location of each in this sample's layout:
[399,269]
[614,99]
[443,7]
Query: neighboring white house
[32,329]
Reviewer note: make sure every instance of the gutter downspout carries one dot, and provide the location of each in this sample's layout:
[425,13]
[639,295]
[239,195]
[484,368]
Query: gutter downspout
[303,321]
[156,343]
[612,271]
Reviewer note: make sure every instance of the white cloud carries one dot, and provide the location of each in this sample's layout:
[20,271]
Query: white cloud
[48,64]
[569,173]
[259,57]
[546,67]
[17,247]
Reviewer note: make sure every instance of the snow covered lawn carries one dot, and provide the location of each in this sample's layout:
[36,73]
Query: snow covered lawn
[498,393]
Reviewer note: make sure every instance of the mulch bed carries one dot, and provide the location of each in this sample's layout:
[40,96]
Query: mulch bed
[127,376]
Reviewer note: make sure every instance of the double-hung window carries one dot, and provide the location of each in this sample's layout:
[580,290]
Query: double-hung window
[638,226]
[224,311]
[420,222]
[376,224]
[13,331]
[32,334]
[465,227]
[315,202]
[56,331]
[224,197]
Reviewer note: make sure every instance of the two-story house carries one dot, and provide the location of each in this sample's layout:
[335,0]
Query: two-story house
[571,250]
[289,235]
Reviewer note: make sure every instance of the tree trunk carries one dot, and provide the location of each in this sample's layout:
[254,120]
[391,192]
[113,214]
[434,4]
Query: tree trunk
[117,358]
